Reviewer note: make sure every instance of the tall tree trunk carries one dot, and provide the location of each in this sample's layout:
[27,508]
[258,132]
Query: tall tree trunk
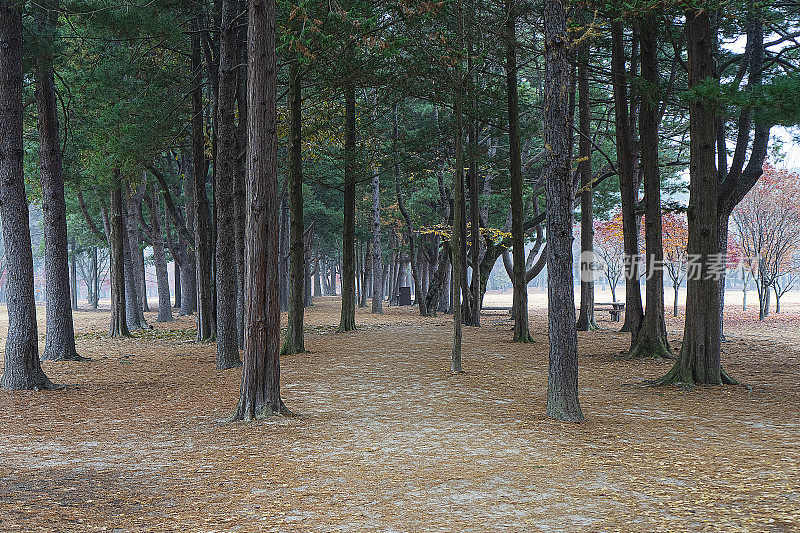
[348,319]
[136,258]
[283,253]
[132,305]
[176,274]
[651,339]
[119,322]
[699,359]
[73,275]
[225,175]
[474,317]
[21,367]
[145,305]
[95,278]
[239,185]
[377,285]
[562,382]
[317,278]
[160,260]
[520,300]
[412,251]
[457,242]
[295,342]
[628,181]
[260,393]
[206,329]
[586,320]
[60,335]
[366,269]
[675,301]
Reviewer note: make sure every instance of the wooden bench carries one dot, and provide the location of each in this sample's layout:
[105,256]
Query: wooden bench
[496,308]
[615,308]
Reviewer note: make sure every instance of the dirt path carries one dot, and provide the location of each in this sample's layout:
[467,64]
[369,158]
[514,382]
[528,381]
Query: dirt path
[389,440]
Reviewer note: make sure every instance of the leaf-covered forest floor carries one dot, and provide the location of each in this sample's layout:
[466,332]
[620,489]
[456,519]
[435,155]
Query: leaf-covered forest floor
[387,439]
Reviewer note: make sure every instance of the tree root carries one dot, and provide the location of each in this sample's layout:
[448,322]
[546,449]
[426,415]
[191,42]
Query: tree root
[525,338]
[243,415]
[291,349]
[648,348]
[74,356]
[679,375]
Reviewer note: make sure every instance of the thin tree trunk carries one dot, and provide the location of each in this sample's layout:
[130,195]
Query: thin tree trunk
[21,367]
[675,302]
[260,389]
[457,242]
[586,320]
[295,342]
[628,182]
[206,327]
[95,278]
[651,339]
[377,286]
[317,278]
[562,383]
[160,260]
[474,316]
[520,300]
[176,273]
[348,318]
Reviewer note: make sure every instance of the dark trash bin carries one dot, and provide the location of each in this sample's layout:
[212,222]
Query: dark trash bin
[405,295]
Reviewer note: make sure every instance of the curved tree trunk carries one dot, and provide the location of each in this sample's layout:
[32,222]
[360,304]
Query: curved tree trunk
[348,318]
[699,360]
[260,389]
[562,382]
[60,335]
[21,367]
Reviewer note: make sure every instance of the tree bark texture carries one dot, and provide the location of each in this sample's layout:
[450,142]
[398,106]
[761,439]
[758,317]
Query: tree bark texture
[60,334]
[259,394]
[348,317]
[206,327]
[562,382]
[295,342]
[520,300]
[699,360]
[651,339]
[586,320]
[21,367]
[225,175]
[628,181]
